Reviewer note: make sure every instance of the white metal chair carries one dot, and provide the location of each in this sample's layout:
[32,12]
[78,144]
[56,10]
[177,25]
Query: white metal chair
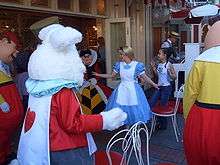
[168,112]
[131,143]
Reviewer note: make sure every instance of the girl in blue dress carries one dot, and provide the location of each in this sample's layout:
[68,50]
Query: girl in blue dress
[129,96]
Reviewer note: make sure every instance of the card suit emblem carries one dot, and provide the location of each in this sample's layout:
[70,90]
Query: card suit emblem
[29,120]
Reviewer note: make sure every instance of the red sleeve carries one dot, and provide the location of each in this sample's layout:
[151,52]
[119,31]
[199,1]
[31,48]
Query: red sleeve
[69,115]
[97,70]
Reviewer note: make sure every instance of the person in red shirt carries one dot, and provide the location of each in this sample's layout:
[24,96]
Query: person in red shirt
[55,131]
[11,110]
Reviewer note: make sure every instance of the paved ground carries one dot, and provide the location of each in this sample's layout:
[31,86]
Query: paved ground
[163,146]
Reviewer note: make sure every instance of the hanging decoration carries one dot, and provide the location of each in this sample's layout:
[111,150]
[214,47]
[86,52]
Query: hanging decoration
[166,3]
[195,15]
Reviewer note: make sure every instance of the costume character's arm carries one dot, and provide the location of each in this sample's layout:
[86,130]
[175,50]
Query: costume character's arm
[72,121]
[140,71]
[116,70]
[69,114]
[191,89]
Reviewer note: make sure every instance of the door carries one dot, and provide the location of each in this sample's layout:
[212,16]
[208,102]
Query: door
[117,35]
[157,31]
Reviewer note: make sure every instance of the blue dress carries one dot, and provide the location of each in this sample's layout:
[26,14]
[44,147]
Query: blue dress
[129,96]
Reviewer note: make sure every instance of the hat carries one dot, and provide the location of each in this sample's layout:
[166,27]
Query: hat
[37,26]
[174,34]
[12,36]
[84,52]
[212,39]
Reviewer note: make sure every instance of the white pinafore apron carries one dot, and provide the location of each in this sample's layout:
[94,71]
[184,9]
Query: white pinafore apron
[126,89]
[34,144]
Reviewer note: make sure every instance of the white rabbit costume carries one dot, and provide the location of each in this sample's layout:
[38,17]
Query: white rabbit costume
[54,130]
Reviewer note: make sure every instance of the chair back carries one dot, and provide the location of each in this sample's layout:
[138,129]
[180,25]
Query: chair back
[131,143]
[178,98]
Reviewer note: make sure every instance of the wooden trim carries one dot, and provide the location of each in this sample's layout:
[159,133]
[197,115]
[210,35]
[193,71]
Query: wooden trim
[48,10]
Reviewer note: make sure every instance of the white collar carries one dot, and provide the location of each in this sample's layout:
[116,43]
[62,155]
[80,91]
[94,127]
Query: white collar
[169,41]
[210,55]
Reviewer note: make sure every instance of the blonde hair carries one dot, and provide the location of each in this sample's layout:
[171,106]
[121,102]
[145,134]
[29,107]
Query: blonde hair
[128,51]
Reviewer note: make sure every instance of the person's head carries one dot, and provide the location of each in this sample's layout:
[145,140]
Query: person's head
[163,54]
[212,38]
[173,36]
[101,41]
[8,46]
[86,56]
[126,52]
[56,57]
[21,61]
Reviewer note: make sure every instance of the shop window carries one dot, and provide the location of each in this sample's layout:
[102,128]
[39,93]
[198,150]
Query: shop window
[85,6]
[40,3]
[11,1]
[101,7]
[64,4]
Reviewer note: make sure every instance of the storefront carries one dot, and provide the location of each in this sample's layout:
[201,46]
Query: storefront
[19,15]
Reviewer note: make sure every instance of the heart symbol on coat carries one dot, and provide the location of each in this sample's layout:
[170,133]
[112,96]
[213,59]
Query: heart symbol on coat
[29,120]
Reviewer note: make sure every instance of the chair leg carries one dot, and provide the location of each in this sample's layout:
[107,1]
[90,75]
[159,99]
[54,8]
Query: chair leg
[153,123]
[175,129]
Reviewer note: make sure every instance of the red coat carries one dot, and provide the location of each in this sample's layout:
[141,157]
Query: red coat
[9,122]
[68,127]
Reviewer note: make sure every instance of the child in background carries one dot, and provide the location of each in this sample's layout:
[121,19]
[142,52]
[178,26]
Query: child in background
[129,95]
[165,73]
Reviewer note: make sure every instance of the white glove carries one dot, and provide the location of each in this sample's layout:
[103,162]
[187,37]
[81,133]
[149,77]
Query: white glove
[5,107]
[113,119]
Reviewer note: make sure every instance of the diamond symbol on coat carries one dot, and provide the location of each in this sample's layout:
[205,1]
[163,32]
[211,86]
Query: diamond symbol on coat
[29,120]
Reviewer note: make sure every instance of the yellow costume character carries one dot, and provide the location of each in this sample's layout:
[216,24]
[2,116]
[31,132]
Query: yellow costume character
[201,104]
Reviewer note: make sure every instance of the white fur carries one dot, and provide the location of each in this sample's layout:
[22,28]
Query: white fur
[45,32]
[57,57]
[113,119]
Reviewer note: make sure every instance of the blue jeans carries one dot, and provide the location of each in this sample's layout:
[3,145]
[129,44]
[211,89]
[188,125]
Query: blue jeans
[163,95]
[78,156]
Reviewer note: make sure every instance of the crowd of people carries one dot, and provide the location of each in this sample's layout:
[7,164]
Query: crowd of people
[58,123]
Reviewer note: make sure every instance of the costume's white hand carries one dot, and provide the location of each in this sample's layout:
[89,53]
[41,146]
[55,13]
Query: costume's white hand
[5,107]
[113,119]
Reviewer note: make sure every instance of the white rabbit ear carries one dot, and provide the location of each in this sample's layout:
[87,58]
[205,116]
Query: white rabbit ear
[62,38]
[46,31]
